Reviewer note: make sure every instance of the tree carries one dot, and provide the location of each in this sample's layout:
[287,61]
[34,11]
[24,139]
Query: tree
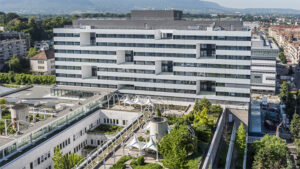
[177,146]
[65,161]
[58,159]
[200,105]
[216,109]
[158,113]
[202,117]
[241,138]
[284,91]
[295,125]
[2,100]
[14,63]
[270,152]
[282,58]
[32,52]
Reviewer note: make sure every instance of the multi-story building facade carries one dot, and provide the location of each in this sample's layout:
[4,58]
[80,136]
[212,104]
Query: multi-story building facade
[156,53]
[43,63]
[12,43]
[263,65]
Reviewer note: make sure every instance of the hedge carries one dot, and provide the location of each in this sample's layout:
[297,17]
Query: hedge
[26,79]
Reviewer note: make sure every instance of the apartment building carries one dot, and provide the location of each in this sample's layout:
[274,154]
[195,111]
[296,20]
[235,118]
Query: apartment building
[263,65]
[288,38]
[13,43]
[157,54]
[43,63]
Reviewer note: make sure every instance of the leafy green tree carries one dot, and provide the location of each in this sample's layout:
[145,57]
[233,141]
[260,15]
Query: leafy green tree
[14,63]
[58,159]
[10,16]
[270,152]
[282,58]
[295,125]
[2,100]
[287,98]
[202,117]
[158,113]
[284,91]
[241,138]
[201,104]
[65,161]
[32,52]
[177,146]
[216,109]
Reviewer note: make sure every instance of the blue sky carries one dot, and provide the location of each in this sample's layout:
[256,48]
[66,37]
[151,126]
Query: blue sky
[295,4]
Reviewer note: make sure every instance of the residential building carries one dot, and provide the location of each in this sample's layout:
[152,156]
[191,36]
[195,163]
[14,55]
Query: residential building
[13,43]
[288,39]
[43,63]
[158,54]
[43,45]
[263,65]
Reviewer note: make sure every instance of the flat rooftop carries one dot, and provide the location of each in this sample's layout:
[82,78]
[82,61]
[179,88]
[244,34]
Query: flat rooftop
[42,93]
[158,19]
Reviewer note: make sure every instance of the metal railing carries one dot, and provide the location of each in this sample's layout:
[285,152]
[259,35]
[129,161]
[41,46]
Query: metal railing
[42,132]
[97,157]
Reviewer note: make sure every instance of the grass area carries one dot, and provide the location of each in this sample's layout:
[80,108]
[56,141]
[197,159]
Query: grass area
[106,129]
[11,85]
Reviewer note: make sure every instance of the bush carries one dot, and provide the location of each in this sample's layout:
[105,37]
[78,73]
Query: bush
[118,166]
[140,160]
[149,166]
[124,159]
[26,79]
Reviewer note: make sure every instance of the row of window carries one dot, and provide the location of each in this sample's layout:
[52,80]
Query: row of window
[98,142]
[114,121]
[126,70]
[146,45]
[95,52]
[68,67]
[232,76]
[85,60]
[211,65]
[141,36]
[63,144]
[232,94]
[143,45]
[80,146]
[134,36]
[166,90]
[67,34]
[68,75]
[227,38]
[40,160]
[86,85]
[180,55]
[147,80]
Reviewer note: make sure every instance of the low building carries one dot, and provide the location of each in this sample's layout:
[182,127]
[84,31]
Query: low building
[43,45]
[43,63]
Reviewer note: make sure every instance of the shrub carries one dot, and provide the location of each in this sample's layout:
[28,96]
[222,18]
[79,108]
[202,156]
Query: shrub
[26,79]
[140,160]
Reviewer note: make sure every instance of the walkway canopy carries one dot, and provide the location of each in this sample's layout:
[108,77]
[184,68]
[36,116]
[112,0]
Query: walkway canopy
[135,143]
[150,145]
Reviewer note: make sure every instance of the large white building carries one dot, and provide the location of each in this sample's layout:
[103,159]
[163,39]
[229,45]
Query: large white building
[156,53]
[263,66]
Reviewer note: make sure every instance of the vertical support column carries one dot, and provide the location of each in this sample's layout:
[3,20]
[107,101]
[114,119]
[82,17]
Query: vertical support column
[198,90]
[120,56]
[198,51]
[158,67]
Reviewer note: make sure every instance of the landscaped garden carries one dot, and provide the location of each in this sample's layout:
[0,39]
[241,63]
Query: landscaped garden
[106,129]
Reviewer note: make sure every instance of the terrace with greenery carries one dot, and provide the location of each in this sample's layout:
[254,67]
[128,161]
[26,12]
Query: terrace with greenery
[106,129]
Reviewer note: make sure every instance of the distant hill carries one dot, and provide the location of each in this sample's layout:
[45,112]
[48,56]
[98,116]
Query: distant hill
[121,6]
